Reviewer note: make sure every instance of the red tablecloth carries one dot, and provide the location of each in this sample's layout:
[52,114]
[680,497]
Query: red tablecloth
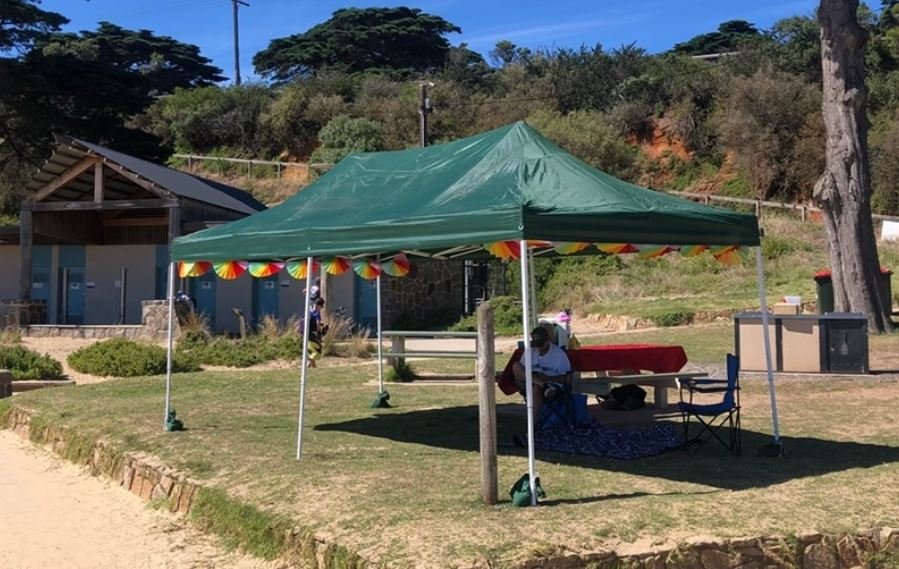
[650,357]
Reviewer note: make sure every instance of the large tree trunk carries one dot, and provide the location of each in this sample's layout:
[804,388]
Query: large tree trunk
[844,190]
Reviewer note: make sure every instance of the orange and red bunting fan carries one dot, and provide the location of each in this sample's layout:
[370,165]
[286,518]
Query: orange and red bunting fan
[265,269]
[367,268]
[569,248]
[336,265]
[297,269]
[505,250]
[398,266]
[655,251]
[730,255]
[195,269]
[230,270]
[617,248]
[692,250]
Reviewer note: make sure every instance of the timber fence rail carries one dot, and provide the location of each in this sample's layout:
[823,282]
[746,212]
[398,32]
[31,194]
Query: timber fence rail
[760,205]
[249,163]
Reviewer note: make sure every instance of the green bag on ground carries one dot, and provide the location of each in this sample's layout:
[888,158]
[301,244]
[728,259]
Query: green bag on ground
[521,491]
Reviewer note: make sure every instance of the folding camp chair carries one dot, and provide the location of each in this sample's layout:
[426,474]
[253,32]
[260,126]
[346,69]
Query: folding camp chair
[566,408]
[713,417]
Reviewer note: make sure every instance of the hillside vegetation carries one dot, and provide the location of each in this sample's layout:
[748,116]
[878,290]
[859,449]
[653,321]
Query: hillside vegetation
[747,124]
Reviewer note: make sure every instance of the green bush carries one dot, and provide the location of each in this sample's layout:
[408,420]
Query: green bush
[243,353]
[125,358]
[777,247]
[506,317]
[28,364]
[230,353]
[673,317]
[401,374]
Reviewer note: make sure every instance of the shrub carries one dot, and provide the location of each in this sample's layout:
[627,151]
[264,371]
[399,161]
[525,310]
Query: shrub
[10,336]
[401,374]
[125,358]
[506,318]
[673,317]
[28,364]
[777,247]
[231,353]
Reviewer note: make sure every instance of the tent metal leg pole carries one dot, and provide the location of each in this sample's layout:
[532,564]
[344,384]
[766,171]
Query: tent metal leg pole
[528,368]
[535,310]
[169,342]
[305,358]
[380,355]
[763,302]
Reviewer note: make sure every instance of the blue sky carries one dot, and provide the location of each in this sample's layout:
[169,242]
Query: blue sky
[653,24]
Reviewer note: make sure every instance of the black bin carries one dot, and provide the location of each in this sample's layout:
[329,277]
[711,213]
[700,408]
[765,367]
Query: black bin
[824,289]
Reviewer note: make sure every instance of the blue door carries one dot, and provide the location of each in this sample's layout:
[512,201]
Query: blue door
[204,296]
[265,298]
[71,283]
[366,308]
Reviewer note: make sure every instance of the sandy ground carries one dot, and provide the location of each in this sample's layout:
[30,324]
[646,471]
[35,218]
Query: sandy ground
[54,515]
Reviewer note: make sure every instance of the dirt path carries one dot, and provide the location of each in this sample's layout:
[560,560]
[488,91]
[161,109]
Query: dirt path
[54,515]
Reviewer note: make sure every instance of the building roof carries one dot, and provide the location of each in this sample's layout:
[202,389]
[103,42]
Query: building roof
[70,151]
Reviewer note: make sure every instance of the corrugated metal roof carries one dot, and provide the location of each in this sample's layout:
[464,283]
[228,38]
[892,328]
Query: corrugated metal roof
[71,150]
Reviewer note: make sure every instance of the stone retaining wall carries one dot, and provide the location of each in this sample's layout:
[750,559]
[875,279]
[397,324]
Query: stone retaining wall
[148,478]
[153,327]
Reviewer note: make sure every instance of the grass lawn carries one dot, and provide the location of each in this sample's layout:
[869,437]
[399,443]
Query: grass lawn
[401,485]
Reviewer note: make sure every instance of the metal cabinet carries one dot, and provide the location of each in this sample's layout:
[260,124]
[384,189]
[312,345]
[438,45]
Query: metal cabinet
[829,343]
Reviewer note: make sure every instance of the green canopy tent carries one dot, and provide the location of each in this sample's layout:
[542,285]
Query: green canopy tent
[509,190]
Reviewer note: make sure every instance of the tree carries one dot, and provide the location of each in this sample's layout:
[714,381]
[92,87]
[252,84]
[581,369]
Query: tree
[344,136]
[403,40]
[22,23]
[728,38]
[844,190]
[760,118]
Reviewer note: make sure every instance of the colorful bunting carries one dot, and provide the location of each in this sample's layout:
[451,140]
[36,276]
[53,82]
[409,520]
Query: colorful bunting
[367,268]
[617,248]
[568,248]
[655,251]
[692,250]
[297,269]
[336,265]
[505,250]
[195,269]
[730,255]
[230,270]
[261,270]
[398,266]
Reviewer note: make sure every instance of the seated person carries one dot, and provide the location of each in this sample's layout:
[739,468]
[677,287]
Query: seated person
[550,365]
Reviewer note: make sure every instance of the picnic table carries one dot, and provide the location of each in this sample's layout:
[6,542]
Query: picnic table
[664,361]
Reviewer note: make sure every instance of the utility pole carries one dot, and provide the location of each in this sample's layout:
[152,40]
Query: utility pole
[235,4]
[423,110]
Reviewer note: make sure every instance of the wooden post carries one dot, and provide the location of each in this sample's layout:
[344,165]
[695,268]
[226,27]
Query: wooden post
[802,212]
[487,403]
[397,346]
[98,182]
[26,237]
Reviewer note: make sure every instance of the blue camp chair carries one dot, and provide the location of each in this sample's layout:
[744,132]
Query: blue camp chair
[566,408]
[713,417]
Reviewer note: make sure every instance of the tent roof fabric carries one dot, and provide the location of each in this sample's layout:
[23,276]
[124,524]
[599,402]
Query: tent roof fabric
[71,150]
[506,184]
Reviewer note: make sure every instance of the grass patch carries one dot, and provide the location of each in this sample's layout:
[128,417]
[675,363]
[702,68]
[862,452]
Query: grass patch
[392,484]
[240,526]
